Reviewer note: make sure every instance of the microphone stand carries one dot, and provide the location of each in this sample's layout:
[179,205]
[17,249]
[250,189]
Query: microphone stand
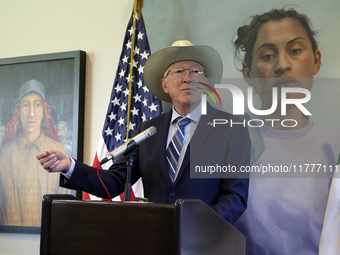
[127,190]
[129,155]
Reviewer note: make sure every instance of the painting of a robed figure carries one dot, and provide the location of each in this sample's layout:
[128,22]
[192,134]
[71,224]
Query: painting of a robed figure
[30,130]
[40,107]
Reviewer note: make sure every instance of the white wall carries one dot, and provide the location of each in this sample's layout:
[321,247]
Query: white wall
[30,27]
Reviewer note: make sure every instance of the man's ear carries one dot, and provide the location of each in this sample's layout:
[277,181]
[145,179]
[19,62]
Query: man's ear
[164,85]
[246,72]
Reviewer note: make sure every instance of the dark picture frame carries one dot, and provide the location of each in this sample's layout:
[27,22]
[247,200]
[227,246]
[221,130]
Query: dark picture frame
[63,77]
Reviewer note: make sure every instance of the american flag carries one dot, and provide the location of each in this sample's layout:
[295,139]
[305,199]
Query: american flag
[143,105]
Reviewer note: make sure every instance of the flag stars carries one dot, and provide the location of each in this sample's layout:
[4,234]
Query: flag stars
[122,73]
[126,92]
[115,101]
[140,35]
[121,121]
[145,55]
[140,84]
[140,69]
[108,131]
[143,117]
[134,111]
[136,51]
[145,102]
[137,98]
[128,45]
[135,63]
[128,79]
[153,107]
[130,30]
[118,88]
[123,106]
[118,137]
[145,89]
[112,116]
[132,126]
[125,59]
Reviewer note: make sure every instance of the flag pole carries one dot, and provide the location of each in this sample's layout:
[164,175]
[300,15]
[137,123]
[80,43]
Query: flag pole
[136,11]
[137,6]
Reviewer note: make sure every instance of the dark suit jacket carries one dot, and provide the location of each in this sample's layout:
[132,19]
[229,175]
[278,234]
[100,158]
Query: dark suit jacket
[222,145]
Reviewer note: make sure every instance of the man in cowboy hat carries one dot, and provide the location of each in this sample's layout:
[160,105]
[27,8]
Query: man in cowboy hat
[175,74]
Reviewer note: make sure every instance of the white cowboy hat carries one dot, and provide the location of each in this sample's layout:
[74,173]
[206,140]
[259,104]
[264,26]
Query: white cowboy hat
[183,50]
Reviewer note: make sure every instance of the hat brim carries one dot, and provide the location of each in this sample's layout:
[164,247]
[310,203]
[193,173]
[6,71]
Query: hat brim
[159,61]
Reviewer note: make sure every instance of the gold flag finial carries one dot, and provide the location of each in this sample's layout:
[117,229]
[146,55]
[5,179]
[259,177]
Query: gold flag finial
[139,5]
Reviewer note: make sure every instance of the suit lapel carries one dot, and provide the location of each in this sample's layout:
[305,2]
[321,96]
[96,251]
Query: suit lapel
[201,132]
[162,131]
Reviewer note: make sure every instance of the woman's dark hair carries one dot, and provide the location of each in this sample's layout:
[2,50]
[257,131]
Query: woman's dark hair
[247,34]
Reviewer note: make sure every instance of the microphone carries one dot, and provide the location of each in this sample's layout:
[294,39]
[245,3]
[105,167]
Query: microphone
[130,145]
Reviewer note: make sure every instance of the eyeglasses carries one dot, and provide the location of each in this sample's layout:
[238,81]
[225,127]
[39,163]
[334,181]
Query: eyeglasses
[178,72]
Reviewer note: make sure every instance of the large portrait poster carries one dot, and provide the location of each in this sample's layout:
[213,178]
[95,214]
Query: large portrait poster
[294,154]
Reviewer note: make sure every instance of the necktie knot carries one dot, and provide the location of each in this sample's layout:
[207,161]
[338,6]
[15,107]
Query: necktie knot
[182,122]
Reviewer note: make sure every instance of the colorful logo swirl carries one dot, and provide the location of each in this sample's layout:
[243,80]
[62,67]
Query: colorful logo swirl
[207,91]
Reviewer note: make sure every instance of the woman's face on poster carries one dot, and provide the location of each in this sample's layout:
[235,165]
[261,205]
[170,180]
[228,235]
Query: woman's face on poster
[31,112]
[282,57]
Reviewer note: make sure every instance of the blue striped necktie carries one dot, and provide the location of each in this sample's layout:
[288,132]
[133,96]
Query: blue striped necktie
[175,146]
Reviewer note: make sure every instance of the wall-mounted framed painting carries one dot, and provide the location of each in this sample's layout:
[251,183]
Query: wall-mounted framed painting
[41,107]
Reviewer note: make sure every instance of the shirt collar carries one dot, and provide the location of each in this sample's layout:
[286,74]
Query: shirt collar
[22,142]
[194,115]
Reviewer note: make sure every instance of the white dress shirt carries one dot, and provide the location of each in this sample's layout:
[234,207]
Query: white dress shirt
[189,130]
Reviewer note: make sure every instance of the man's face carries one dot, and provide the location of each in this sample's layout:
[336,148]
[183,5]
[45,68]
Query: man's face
[31,112]
[183,89]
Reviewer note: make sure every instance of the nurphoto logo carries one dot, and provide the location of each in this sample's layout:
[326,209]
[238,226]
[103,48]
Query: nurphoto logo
[238,105]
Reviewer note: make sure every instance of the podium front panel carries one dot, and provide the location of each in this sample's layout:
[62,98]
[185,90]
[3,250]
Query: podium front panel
[89,227]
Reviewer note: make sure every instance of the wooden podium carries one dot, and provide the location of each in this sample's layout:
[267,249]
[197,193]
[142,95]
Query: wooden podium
[71,226]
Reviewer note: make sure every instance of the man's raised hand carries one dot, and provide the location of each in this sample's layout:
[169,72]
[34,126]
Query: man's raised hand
[54,161]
